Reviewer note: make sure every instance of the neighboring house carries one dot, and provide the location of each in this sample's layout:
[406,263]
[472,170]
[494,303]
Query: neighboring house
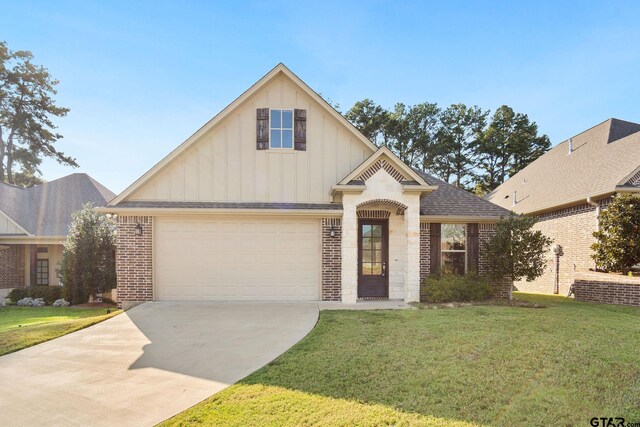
[33,224]
[565,190]
[279,197]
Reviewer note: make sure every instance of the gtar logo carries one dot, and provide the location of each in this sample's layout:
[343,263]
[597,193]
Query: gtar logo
[607,422]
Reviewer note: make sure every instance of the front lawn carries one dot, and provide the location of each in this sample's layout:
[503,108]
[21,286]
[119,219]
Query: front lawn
[497,365]
[22,327]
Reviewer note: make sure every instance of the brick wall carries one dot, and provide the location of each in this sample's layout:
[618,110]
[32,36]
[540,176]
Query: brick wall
[501,288]
[607,289]
[12,267]
[572,228]
[331,259]
[134,260]
[425,250]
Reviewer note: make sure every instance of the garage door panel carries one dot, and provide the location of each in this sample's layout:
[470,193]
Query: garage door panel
[237,259]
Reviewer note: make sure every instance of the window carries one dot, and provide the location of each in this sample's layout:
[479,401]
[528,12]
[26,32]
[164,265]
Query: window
[454,248]
[372,249]
[281,129]
[42,272]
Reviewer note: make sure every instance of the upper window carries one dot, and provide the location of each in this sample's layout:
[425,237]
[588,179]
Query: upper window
[454,248]
[42,272]
[281,129]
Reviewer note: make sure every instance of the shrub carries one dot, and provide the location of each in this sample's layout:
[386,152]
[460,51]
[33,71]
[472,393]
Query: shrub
[17,294]
[452,287]
[88,263]
[617,246]
[48,293]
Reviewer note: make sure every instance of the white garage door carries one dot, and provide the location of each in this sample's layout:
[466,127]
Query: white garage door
[217,258]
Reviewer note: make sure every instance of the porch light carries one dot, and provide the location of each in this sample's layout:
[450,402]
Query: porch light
[138,230]
[332,231]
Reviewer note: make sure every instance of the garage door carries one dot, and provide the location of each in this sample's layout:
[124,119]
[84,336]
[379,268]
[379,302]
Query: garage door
[216,258]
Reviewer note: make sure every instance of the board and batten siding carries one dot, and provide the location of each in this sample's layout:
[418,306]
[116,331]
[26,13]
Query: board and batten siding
[7,226]
[224,165]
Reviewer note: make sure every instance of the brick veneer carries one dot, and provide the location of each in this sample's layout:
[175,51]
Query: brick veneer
[134,260]
[501,288]
[572,228]
[425,250]
[607,289]
[331,259]
[12,267]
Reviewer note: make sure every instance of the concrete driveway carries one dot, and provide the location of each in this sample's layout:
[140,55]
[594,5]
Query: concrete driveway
[146,364]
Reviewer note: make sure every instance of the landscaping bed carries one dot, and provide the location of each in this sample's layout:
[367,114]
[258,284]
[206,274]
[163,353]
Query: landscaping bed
[475,364]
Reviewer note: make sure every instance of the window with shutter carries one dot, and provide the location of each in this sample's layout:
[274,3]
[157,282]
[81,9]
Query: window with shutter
[435,248]
[262,128]
[281,129]
[300,130]
[473,247]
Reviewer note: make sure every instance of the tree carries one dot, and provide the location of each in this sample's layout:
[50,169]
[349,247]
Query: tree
[617,246]
[516,251]
[460,127]
[370,119]
[508,144]
[88,264]
[27,110]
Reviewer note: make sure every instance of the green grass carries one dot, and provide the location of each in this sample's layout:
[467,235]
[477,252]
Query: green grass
[487,365]
[22,327]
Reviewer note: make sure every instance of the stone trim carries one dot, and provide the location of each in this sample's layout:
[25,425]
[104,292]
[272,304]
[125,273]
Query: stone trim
[382,164]
[12,268]
[373,214]
[331,259]
[384,203]
[134,260]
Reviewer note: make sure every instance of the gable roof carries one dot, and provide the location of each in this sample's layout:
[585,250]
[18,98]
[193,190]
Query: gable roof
[449,200]
[279,69]
[390,157]
[45,209]
[604,160]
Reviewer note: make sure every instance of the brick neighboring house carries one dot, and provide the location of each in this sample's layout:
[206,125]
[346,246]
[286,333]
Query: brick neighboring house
[279,197]
[566,188]
[33,224]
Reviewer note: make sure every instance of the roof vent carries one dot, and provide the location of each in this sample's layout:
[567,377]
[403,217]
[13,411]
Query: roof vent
[570,145]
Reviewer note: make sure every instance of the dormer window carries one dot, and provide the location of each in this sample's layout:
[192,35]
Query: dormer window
[281,129]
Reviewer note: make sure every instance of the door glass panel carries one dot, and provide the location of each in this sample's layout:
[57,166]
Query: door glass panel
[371,249]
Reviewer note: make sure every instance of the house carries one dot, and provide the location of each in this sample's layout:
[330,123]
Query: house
[33,224]
[279,197]
[566,188]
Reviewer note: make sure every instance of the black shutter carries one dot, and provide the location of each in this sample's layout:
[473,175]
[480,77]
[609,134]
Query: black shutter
[473,249]
[434,264]
[262,129]
[300,130]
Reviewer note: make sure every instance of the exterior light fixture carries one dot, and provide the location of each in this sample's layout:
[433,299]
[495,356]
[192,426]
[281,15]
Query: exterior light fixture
[332,231]
[138,230]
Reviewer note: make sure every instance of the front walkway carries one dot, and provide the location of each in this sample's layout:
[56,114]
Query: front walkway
[146,364]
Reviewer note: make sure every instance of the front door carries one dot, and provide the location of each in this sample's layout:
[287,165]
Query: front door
[373,258]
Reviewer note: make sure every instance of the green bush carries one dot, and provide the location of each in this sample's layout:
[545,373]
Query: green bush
[452,287]
[17,294]
[48,293]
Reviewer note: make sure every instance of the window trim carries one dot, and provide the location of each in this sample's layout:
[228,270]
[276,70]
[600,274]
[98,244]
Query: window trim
[293,126]
[462,251]
[41,274]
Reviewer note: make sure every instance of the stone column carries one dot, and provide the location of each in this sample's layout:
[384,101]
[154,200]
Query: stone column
[349,250]
[412,272]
